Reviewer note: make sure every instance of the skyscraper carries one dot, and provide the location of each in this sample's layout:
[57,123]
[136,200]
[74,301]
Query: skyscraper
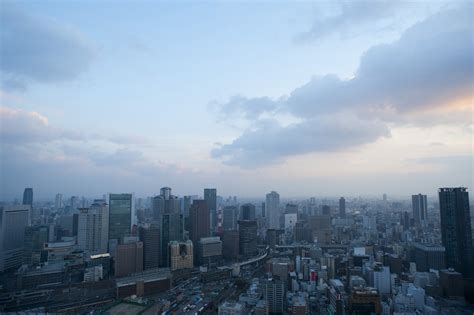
[420,210]
[272,210]
[247,211]
[229,218]
[58,203]
[121,211]
[92,228]
[456,230]
[342,207]
[150,237]
[247,237]
[171,229]
[28,196]
[13,221]
[199,222]
[164,203]
[210,195]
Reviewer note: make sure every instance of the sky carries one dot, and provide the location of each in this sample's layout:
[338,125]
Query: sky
[306,98]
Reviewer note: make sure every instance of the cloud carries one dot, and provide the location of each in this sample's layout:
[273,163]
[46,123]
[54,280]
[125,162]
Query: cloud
[271,142]
[430,68]
[351,17]
[39,49]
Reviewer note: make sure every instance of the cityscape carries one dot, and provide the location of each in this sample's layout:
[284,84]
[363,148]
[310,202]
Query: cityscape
[237,157]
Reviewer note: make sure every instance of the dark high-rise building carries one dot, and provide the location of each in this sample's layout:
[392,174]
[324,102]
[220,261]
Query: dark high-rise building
[456,230]
[274,292]
[129,259]
[230,244]
[210,195]
[342,207]
[121,208]
[247,211]
[164,203]
[420,209]
[229,218]
[247,237]
[429,256]
[35,238]
[171,229]
[405,220]
[150,237]
[199,222]
[28,196]
[326,210]
[13,221]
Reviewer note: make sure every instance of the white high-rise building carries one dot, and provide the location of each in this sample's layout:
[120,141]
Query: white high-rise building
[382,279]
[272,210]
[93,228]
[13,221]
[58,204]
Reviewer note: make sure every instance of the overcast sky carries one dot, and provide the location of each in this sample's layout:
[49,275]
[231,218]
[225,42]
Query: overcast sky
[308,99]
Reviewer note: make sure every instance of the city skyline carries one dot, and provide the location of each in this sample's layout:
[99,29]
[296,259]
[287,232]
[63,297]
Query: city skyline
[326,99]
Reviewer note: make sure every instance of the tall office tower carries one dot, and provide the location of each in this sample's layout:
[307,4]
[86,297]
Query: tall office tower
[263,209]
[129,259]
[164,203]
[326,210]
[58,203]
[199,222]
[92,228]
[230,244]
[321,227]
[73,203]
[181,255]
[405,220]
[210,195]
[187,202]
[209,251]
[420,209]
[342,207]
[274,292]
[272,210]
[456,230]
[248,237]
[121,212]
[13,221]
[35,238]
[150,237]
[229,220]
[247,211]
[291,208]
[28,196]
[171,229]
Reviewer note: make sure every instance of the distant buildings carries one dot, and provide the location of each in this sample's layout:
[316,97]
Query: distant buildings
[13,221]
[181,255]
[210,195]
[272,210]
[164,203]
[456,230]
[58,202]
[121,211]
[420,209]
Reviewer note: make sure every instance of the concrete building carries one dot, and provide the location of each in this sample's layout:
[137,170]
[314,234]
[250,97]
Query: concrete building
[181,255]
[92,228]
[274,292]
[13,221]
[199,217]
[230,244]
[247,212]
[342,207]
[210,249]
[247,238]
[272,210]
[150,237]
[210,195]
[229,219]
[129,259]
[420,209]
[429,256]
